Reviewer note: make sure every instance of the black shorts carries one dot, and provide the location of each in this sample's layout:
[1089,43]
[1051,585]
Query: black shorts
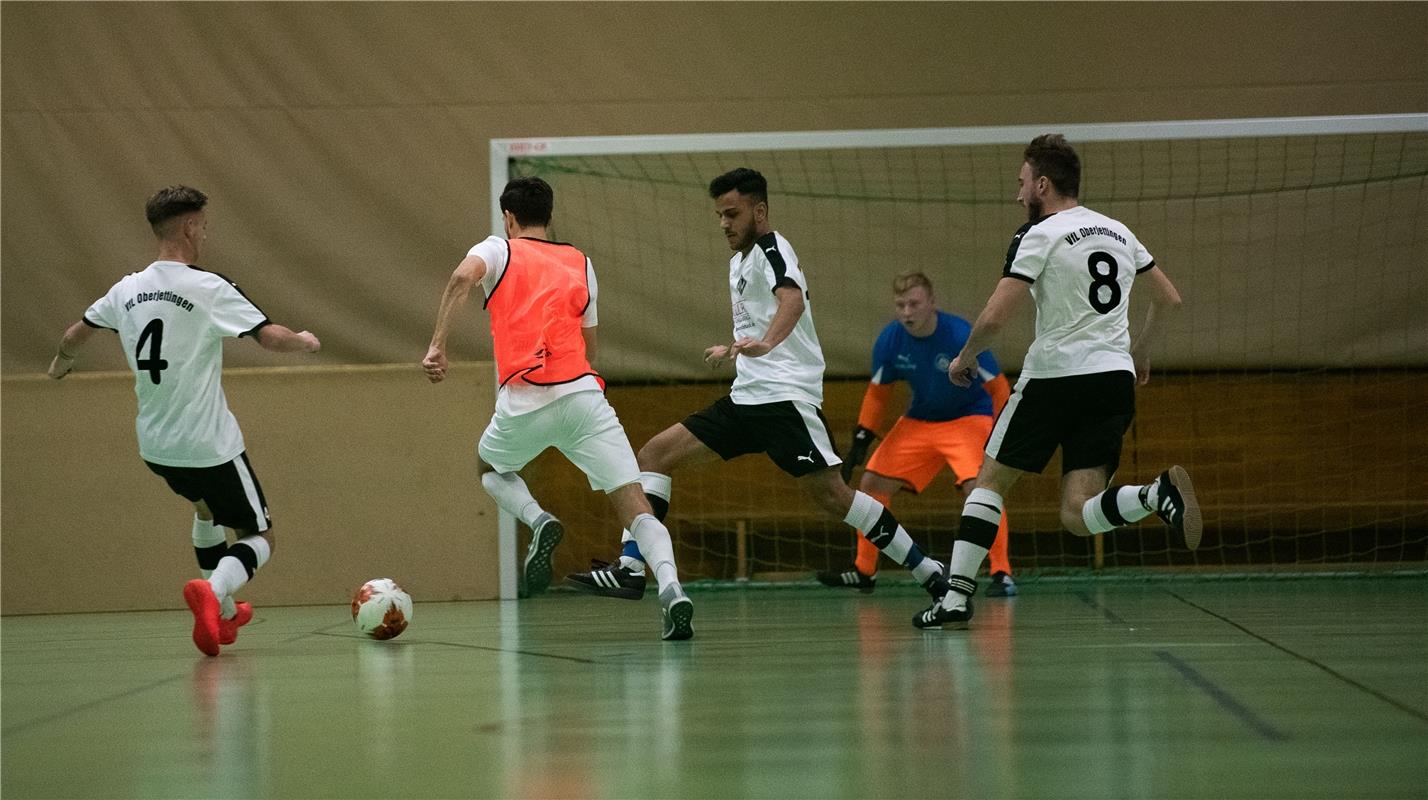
[231,491]
[794,434]
[1084,415]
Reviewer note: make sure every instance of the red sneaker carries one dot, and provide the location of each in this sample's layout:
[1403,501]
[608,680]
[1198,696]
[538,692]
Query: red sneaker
[228,628]
[199,596]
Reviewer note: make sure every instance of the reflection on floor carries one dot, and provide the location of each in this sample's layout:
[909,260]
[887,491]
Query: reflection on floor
[1294,689]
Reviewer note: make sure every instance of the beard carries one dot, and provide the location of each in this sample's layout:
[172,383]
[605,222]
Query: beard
[1034,210]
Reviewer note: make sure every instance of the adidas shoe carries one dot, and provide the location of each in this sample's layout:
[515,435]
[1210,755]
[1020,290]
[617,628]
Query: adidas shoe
[544,537]
[1178,507]
[228,628]
[678,614]
[609,580]
[1002,585]
[198,594]
[938,615]
[848,579]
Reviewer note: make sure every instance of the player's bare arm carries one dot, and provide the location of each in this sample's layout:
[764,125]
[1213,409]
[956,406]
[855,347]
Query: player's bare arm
[1006,300]
[790,308]
[458,290]
[1163,299]
[74,338]
[280,339]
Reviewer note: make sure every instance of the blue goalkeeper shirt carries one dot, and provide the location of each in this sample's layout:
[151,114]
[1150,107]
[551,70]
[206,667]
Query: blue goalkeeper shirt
[923,362]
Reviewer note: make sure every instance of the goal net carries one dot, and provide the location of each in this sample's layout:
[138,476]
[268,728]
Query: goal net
[1293,384]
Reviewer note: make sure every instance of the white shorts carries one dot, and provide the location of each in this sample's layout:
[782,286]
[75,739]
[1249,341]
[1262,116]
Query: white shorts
[582,426]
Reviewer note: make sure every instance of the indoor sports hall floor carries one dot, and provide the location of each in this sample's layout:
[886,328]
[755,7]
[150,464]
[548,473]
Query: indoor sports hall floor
[1213,689]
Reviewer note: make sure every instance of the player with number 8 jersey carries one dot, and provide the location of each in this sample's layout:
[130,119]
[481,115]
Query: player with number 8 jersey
[1076,391]
[171,318]
[1080,265]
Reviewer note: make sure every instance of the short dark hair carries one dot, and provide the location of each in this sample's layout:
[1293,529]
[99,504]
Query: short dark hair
[748,183]
[530,200]
[170,202]
[1051,155]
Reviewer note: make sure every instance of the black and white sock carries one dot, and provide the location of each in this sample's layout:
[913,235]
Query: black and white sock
[210,545]
[1120,505]
[981,515]
[881,528]
[244,558]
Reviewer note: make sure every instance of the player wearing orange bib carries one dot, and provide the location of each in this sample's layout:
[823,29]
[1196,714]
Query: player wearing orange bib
[541,297]
[945,425]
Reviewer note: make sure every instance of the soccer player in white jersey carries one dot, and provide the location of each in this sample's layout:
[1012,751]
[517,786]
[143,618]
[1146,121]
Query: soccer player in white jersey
[1077,384]
[171,318]
[774,406]
[541,298]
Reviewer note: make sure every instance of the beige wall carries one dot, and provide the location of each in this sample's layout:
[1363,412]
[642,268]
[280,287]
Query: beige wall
[345,145]
[368,473]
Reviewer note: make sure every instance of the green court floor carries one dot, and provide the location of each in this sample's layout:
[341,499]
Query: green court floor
[1212,689]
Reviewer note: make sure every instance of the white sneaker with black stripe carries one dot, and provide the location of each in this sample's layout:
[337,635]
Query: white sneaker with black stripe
[1178,507]
[850,578]
[609,580]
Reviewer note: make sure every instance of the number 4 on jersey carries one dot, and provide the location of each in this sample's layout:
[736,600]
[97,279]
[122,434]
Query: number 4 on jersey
[154,364]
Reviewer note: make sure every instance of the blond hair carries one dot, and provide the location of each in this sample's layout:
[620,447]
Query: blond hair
[909,280]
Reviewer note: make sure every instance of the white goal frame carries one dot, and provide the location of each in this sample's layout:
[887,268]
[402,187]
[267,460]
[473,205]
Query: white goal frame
[503,150]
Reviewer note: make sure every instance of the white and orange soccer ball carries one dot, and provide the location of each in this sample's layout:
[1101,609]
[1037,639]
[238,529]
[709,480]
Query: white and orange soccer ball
[381,609]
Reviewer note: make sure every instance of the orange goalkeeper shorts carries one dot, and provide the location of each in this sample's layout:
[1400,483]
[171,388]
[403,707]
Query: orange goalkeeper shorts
[915,451]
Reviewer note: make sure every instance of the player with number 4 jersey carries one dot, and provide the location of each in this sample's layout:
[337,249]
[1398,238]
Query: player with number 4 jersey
[1077,386]
[171,318]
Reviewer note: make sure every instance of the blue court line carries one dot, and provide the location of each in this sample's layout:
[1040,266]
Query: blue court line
[1224,698]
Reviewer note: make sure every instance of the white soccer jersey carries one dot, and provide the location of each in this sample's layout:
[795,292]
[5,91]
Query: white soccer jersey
[794,369]
[1080,265]
[171,319]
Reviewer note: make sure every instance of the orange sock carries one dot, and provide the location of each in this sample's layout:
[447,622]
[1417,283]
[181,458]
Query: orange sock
[997,556]
[866,561]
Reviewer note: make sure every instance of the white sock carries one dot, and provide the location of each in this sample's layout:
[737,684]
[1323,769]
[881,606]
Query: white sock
[966,558]
[228,578]
[226,607]
[1128,501]
[925,569]
[1127,504]
[512,495]
[654,543]
[657,484]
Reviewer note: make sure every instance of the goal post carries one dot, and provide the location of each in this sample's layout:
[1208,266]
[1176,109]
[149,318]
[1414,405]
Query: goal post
[1265,214]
